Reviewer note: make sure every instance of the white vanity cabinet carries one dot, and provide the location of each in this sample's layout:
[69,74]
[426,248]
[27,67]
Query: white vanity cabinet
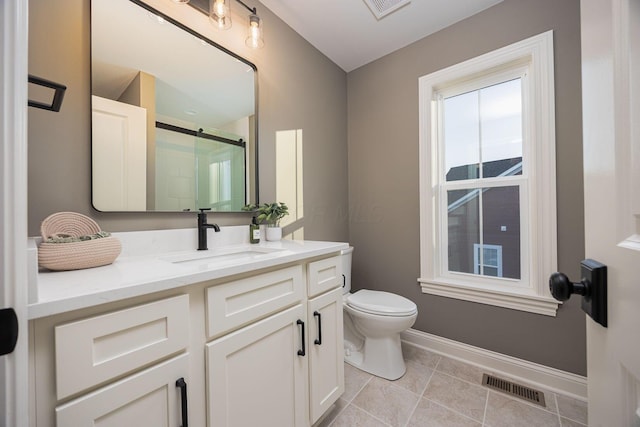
[283,370]
[260,347]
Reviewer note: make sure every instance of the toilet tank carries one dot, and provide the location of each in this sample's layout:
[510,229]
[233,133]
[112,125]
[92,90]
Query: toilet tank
[346,268]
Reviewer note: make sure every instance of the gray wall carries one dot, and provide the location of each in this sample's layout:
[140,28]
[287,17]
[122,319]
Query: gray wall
[299,88]
[383,180]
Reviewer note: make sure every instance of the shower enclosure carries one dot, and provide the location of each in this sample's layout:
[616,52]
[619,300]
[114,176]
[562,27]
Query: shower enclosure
[204,168]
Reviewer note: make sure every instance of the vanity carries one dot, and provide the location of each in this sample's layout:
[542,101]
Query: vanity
[240,335]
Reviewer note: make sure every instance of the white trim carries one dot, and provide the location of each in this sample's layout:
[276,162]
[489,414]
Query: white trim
[552,379]
[498,297]
[540,254]
[14,376]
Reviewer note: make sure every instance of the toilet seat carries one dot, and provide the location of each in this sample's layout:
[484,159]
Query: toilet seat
[381,303]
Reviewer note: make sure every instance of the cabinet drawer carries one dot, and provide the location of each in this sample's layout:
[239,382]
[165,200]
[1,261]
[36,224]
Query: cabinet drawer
[95,350]
[146,399]
[324,275]
[235,304]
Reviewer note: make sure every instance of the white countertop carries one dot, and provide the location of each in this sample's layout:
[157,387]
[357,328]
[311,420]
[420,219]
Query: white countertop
[150,262]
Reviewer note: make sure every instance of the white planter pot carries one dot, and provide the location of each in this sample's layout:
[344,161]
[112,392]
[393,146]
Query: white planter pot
[274,234]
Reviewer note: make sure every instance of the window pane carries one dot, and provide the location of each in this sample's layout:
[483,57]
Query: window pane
[490,257]
[491,271]
[484,127]
[462,136]
[463,228]
[501,227]
[501,129]
[496,231]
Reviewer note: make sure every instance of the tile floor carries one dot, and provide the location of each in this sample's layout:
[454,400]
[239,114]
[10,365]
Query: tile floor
[438,391]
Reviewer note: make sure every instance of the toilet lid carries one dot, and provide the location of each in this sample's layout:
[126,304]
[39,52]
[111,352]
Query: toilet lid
[383,303]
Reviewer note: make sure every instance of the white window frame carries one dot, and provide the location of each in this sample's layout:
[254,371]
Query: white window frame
[533,60]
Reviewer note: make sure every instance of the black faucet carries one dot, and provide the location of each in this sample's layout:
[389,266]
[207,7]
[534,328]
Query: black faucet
[202,229]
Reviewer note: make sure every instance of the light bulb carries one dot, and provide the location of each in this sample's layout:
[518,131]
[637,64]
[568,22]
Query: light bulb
[219,8]
[219,14]
[255,40]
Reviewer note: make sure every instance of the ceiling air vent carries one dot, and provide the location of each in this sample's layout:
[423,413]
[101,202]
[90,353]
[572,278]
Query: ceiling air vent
[381,8]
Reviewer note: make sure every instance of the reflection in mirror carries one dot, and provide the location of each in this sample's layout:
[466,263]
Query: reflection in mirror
[289,187]
[173,115]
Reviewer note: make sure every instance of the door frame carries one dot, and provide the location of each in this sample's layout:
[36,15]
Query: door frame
[14,372]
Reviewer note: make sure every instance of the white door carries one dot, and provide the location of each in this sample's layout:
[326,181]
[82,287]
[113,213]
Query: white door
[13,199]
[119,155]
[611,131]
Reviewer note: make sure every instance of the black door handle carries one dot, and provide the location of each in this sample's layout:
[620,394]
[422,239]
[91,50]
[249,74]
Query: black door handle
[318,341]
[8,330]
[562,288]
[592,287]
[182,384]
[303,351]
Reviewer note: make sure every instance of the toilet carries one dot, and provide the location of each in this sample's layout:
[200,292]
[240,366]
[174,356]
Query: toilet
[373,321]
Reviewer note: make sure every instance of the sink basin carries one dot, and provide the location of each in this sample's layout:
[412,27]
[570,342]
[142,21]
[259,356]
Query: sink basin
[221,255]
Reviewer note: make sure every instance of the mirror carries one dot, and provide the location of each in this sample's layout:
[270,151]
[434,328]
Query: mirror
[174,116]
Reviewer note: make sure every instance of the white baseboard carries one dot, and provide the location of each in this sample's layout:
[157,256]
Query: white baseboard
[535,374]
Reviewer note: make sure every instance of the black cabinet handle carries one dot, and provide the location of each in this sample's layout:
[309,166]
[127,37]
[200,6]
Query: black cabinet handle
[344,280]
[183,398]
[318,341]
[301,352]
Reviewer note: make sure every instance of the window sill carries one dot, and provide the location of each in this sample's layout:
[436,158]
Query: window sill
[523,300]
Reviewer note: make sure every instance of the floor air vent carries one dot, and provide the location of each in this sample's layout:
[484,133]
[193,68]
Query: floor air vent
[513,389]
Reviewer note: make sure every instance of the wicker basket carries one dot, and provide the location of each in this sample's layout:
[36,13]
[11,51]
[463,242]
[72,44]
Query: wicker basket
[75,255]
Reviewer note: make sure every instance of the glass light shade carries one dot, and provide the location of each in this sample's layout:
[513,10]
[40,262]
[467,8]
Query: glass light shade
[255,39]
[220,14]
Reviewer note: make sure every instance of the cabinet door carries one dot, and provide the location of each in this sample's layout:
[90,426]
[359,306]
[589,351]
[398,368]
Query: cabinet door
[256,376]
[147,399]
[326,352]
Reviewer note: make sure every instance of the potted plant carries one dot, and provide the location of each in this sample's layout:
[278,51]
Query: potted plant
[270,214]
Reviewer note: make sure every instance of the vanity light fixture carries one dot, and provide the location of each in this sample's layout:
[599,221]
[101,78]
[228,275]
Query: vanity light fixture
[220,17]
[219,12]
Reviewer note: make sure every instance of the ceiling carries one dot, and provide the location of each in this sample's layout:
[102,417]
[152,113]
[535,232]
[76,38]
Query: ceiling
[348,33]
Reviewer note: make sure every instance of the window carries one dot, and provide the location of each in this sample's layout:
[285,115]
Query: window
[487,178]
[220,182]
